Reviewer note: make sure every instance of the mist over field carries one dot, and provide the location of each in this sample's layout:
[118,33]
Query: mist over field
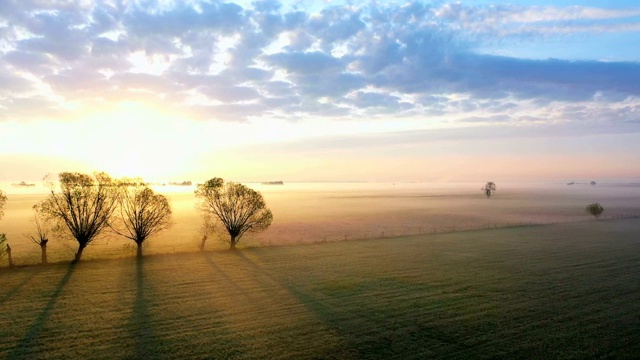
[439,159]
[332,211]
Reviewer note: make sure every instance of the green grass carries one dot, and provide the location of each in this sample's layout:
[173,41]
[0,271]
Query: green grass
[566,291]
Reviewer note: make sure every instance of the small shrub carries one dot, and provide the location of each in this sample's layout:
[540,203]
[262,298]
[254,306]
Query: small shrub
[595,209]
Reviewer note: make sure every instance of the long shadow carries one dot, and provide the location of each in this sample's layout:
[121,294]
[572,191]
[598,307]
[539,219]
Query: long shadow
[366,332]
[307,297]
[142,329]
[29,341]
[228,344]
[217,270]
[18,287]
[333,317]
[348,321]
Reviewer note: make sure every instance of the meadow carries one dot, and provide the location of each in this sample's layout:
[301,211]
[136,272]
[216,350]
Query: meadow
[557,291]
[329,212]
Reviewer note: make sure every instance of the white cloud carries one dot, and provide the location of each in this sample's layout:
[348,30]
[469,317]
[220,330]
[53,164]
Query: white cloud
[213,60]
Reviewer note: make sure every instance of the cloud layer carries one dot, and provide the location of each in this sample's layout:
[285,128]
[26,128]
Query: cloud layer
[210,60]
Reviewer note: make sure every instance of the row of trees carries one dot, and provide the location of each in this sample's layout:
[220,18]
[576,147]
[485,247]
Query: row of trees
[84,207]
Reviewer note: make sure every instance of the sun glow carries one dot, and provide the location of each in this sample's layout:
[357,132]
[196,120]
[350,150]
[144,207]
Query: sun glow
[156,142]
[134,139]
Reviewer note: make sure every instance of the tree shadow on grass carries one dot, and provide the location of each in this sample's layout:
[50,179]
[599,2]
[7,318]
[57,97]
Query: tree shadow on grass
[18,287]
[218,271]
[142,332]
[332,317]
[180,330]
[370,330]
[29,341]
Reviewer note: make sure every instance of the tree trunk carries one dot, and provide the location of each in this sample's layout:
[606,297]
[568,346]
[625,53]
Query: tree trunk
[204,239]
[139,252]
[232,242]
[9,255]
[43,247]
[79,253]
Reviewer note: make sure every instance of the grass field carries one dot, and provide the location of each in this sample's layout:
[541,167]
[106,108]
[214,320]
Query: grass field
[565,291]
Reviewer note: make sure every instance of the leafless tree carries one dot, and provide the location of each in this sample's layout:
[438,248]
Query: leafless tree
[238,208]
[84,205]
[489,188]
[142,213]
[207,229]
[5,249]
[42,236]
[3,200]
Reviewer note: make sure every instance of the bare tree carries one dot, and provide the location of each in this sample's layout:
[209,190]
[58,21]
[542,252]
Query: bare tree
[239,208]
[142,213]
[5,249]
[489,188]
[207,229]
[595,209]
[83,205]
[3,200]
[42,236]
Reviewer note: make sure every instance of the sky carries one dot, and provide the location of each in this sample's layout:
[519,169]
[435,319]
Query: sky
[321,90]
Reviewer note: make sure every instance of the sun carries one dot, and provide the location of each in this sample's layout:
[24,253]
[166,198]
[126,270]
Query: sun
[137,140]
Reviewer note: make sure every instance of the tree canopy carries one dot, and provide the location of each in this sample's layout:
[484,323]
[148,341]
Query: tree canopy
[142,213]
[237,207]
[83,205]
[489,188]
[595,209]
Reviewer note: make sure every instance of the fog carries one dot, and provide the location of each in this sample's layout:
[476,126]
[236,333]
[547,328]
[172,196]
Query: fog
[324,212]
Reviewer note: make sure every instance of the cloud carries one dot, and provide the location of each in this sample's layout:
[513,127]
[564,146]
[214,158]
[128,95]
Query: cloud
[510,20]
[183,18]
[217,60]
[305,63]
[335,24]
[230,94]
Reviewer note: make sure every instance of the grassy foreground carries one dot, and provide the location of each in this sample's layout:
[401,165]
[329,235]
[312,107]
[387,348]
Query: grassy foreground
[557,291]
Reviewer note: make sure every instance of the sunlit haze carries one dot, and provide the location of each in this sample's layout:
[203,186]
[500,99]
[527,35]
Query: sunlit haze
[321,90]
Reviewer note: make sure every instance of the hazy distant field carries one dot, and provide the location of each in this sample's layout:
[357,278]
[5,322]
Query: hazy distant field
[562,291]
[319,212]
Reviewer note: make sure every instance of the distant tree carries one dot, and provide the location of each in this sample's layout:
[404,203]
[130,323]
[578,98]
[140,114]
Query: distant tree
[595,209]
[83,205]
[238,208]
[3,200]
[142,213]
[489,188]
[42,236]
